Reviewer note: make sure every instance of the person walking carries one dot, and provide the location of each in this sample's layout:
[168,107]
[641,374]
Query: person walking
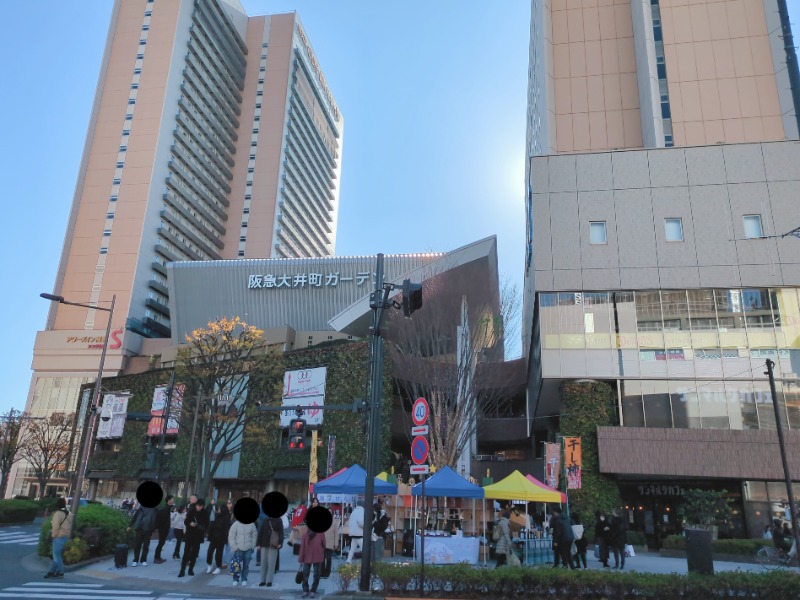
[331,545]
[143,524]
[196,523]
[242,539]
[61,530]
[580,541]
[268,545]
[312,554]
[562,539]
[178,528]
[602,529]
[217,538]
[504,546]
[163,526]
[618,538]
[356,530]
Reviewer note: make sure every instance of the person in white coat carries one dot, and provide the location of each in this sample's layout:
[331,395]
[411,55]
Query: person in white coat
[356,530]
[242,539]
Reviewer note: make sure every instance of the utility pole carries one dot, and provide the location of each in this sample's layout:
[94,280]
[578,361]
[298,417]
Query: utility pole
[786,473]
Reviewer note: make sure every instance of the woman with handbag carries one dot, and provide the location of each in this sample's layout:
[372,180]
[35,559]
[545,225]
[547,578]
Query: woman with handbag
[242,539]
[312,553]
[270,541]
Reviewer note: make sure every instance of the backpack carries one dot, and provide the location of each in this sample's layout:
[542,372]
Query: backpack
[496,533]
[382,524]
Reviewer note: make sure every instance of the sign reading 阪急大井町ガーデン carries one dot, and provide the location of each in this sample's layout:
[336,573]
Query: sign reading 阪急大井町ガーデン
[307,280]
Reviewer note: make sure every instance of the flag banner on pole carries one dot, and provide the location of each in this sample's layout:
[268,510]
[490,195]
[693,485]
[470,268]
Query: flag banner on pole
[572,461]
[552,453]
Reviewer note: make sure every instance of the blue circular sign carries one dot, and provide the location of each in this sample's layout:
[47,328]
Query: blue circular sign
[419,450]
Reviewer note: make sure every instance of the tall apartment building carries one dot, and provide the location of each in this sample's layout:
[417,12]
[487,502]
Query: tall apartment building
[213,135]
[663,170]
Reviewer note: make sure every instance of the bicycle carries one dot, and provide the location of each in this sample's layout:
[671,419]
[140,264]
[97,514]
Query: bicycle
[771,557]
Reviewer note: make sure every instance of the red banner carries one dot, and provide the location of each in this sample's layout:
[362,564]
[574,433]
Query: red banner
[158,408]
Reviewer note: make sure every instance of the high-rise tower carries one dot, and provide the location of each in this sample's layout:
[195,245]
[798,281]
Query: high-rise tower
[213,135]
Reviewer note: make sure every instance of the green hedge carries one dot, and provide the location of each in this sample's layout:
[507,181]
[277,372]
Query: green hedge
[636,538]
[534,583]
[112,523]
[18,511]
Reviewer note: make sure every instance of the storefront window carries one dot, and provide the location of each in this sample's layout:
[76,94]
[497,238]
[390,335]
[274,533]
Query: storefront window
[657,410]
[632,410]
[548,320]
[713,406]
[685,411]
[741,405]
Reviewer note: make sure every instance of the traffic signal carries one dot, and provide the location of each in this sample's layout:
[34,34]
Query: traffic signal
[297,434]
[412,297]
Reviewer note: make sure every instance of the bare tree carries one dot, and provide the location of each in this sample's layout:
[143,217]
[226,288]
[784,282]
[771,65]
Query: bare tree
[45,445]
[222,363]
[10,453]
[451,352]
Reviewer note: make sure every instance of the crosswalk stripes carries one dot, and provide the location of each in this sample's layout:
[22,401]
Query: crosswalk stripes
[85,591]
[19,537]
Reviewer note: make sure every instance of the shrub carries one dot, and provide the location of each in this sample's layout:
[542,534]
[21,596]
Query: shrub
[740,547]
[538,583]
[637,538]
[18,511]
[348,573]
[75,551]
[111,522]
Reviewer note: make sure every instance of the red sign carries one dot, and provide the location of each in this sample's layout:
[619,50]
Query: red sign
[419,412]
[419,450]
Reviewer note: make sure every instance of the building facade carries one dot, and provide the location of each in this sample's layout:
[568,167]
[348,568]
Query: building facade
[662,176]
[213,135]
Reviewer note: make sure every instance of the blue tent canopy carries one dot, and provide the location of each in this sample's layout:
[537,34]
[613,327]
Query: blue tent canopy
[446,482]
[352,481]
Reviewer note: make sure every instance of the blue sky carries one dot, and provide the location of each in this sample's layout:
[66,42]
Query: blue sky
[433,95]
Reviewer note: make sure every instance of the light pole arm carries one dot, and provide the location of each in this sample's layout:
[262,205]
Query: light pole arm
[88,435]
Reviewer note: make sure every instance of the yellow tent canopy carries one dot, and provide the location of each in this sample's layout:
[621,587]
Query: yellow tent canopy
[517,487]
[383,475]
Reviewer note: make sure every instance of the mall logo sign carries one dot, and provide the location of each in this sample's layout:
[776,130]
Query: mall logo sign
[302,280]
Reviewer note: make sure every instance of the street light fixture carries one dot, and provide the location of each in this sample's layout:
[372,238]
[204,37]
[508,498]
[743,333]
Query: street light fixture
[89,433]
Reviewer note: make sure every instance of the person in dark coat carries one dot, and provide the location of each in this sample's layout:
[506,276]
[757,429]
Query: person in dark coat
[618,538]
[163,526]
[270,541]
[196,527]
[217,538]
[602,531]
[312,553]
[142,523]
[562,539]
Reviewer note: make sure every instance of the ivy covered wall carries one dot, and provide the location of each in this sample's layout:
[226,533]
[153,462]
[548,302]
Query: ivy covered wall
[584,406]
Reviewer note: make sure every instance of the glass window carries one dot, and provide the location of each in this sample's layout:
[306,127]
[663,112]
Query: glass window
[752,227]
[685,411]
[632,410]
[597,232]
[657,410]
[741,405]
[673,230]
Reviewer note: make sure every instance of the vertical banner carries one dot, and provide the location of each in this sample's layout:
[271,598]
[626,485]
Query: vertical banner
[117,403]
[552,454]
[572,462]
[159,406]
[331,467]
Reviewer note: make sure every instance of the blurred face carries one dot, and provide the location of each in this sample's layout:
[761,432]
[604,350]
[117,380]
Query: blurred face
[229,504]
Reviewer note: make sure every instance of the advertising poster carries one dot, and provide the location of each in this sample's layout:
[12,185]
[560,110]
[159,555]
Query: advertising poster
[160,395]
[304,387]
[572,462]
[331,466]
[113,428]
[552,454]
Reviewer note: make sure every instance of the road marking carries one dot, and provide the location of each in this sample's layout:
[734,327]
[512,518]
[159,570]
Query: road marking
[19,537]
[86,591]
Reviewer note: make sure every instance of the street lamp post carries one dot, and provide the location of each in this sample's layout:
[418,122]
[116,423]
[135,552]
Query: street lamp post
[89,433]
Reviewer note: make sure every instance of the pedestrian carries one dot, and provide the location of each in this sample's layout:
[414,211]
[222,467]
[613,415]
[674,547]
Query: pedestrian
[196,523]
[163,526]
[618,538]
[143,524]
[268,544]
[312,554]
[580,543]
[178,528]
[356,530]
[217,537]
[331,545]
[601,535]
[61,530]
[562,539]
[227,553]
[503,539]
[242,539]
[380,523]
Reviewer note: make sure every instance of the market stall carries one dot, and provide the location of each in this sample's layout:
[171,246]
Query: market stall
[440,546]
[534,550]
